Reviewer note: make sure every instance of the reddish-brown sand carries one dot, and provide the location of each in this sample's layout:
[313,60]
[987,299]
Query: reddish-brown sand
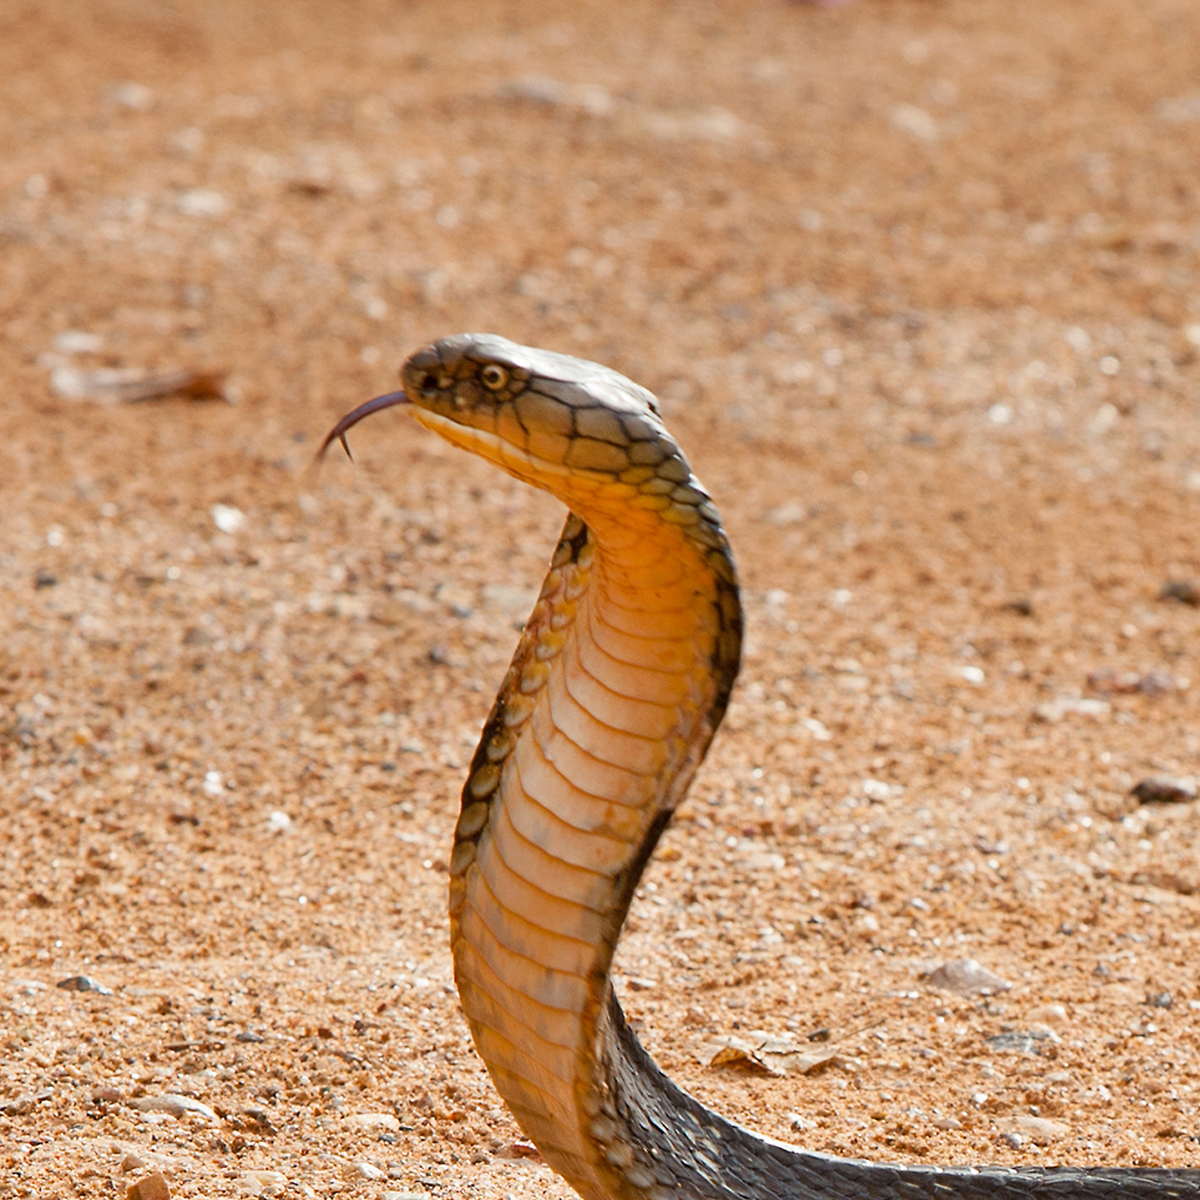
[919,284]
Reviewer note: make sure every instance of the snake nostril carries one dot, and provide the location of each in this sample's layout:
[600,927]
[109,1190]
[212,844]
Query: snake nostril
[428,384]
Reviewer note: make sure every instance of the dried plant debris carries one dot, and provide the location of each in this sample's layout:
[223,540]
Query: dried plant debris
[765,1052]
[1164,790]
[130,385]
[1129,683]
[174,1105]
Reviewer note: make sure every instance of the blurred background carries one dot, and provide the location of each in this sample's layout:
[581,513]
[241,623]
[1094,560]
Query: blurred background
[918,282]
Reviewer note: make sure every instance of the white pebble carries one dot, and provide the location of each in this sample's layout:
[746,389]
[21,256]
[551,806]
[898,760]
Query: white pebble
[133,95]
[914,121]
[1040,1130]
[973,675]
[1053,711]
[372,1120]
[227,518]
[279,822]
[76,341]
[1077,338]
[202,202]
[264,1183]
[213,784]
[966,977]
[1000,414]
[1047,1014]
[1180,108]
[1106,416]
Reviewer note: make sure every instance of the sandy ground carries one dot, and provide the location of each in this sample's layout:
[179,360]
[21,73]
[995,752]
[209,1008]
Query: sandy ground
[919,284]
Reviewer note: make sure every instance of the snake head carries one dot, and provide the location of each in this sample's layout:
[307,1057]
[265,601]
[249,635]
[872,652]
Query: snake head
[555,421]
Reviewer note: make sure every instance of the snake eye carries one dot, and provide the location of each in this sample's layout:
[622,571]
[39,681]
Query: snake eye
[494,377]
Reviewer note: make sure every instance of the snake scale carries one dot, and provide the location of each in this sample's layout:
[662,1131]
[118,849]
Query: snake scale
[618,684]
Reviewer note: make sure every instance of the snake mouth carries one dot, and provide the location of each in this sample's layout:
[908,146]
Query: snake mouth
[338,432]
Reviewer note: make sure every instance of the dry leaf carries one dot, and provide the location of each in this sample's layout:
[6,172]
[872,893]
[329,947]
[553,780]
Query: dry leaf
[764,1051]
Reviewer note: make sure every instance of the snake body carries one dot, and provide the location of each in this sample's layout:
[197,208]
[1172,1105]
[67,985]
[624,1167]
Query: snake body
[618,684]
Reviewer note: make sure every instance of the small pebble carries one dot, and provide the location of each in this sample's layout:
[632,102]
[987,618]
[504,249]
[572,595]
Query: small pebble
[262,1182]
[279,822]
[131,1162]
[523,1149]
[946,1123]
[77,341]
[1053,711]
[1159,999]
[1040,1130]
[365,1170]
[227,519]
[248,1035]
[149,1187]
[372,1120]
[1020,1041]
[966,977]
[1012,1139]
[1183,591]
[20,1105]
[202,202]
[1047,1014]
[84,983]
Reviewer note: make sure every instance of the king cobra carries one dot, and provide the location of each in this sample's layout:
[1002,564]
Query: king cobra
[618,684]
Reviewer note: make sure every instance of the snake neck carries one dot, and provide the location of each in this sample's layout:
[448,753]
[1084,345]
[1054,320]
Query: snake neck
[617,686]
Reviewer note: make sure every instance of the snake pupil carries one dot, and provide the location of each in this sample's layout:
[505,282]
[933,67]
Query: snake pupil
[494,377]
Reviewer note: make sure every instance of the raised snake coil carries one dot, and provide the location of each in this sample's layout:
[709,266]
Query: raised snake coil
[618,684]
